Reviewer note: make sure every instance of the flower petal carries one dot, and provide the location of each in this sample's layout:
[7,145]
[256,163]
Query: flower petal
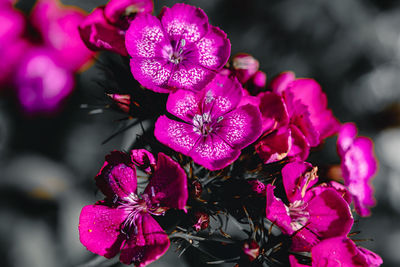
[273,110]
[98,34]
[299,148]
[281,82]
[359,166]
[330,215]
[183,104]
[213,152]
[117,12]
[346,136]
[277,212]
[58,25]
[143,159]
[274,146]
[177,135]
[168,185]
[183,21]
[297,178]
[240,127]
[117,177]
[150,243]
[99,229]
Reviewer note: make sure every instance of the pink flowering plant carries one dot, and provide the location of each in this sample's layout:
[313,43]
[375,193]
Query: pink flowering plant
[221,147]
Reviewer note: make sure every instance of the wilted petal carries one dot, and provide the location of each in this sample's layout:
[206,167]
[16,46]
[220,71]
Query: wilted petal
[143,159]
[98,34]
[119,12]
[297,178]
[273,111]
[168,185]
[58,25]
[99,229]
[117,177]
[149,244]
[303,240]
[274,146]
[277,212]
[299,148]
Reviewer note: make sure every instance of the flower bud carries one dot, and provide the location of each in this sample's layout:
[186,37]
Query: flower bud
[122,101]
[202,220]
[251,249]
[245,66]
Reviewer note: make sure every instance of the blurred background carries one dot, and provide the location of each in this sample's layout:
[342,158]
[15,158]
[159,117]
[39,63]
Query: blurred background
[351,47]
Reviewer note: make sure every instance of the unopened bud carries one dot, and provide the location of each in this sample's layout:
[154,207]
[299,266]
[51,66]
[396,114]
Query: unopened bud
[122,101]
[251,249]
[196,189]
[245,66]
[202,221]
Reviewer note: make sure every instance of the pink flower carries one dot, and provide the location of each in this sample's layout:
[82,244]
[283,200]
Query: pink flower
[213,129]
[313,214]
[295,118]
[178,50]
[358,167]
[58,26]
[42,84]
[123,221]
[105,27]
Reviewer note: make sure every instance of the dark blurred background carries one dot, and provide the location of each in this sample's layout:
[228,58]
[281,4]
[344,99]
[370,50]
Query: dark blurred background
[351,47]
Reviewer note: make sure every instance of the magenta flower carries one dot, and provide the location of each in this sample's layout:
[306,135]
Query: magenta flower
[295,118]
[213,129]
[358,167]
[42,84]
[12,46]
[178,50]
[58,26]
[312,214]
[105,27]
[123,221]
[341,251]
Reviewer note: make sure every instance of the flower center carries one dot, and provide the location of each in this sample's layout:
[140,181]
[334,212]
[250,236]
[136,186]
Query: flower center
[134,206]
[299,214]
[202,124]
[175,55]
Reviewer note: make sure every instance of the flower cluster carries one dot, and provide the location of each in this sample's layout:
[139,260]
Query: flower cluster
[41,65]
[232,147]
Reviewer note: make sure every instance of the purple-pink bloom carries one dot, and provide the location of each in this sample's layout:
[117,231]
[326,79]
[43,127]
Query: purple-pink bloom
[245,66]
[341,251]
[313,214]
[213,129]
[295,117]
[358,165]
[105,27]
[58,25]
[42,84]
[178,50]
[123,221]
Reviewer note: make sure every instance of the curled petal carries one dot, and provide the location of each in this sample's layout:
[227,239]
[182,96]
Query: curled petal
[281,82]
[274,112]
[274,146]
[117,177]
[98,34]
[299,148]
[297,178]
[168,185]
[143,159]
[346,136]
